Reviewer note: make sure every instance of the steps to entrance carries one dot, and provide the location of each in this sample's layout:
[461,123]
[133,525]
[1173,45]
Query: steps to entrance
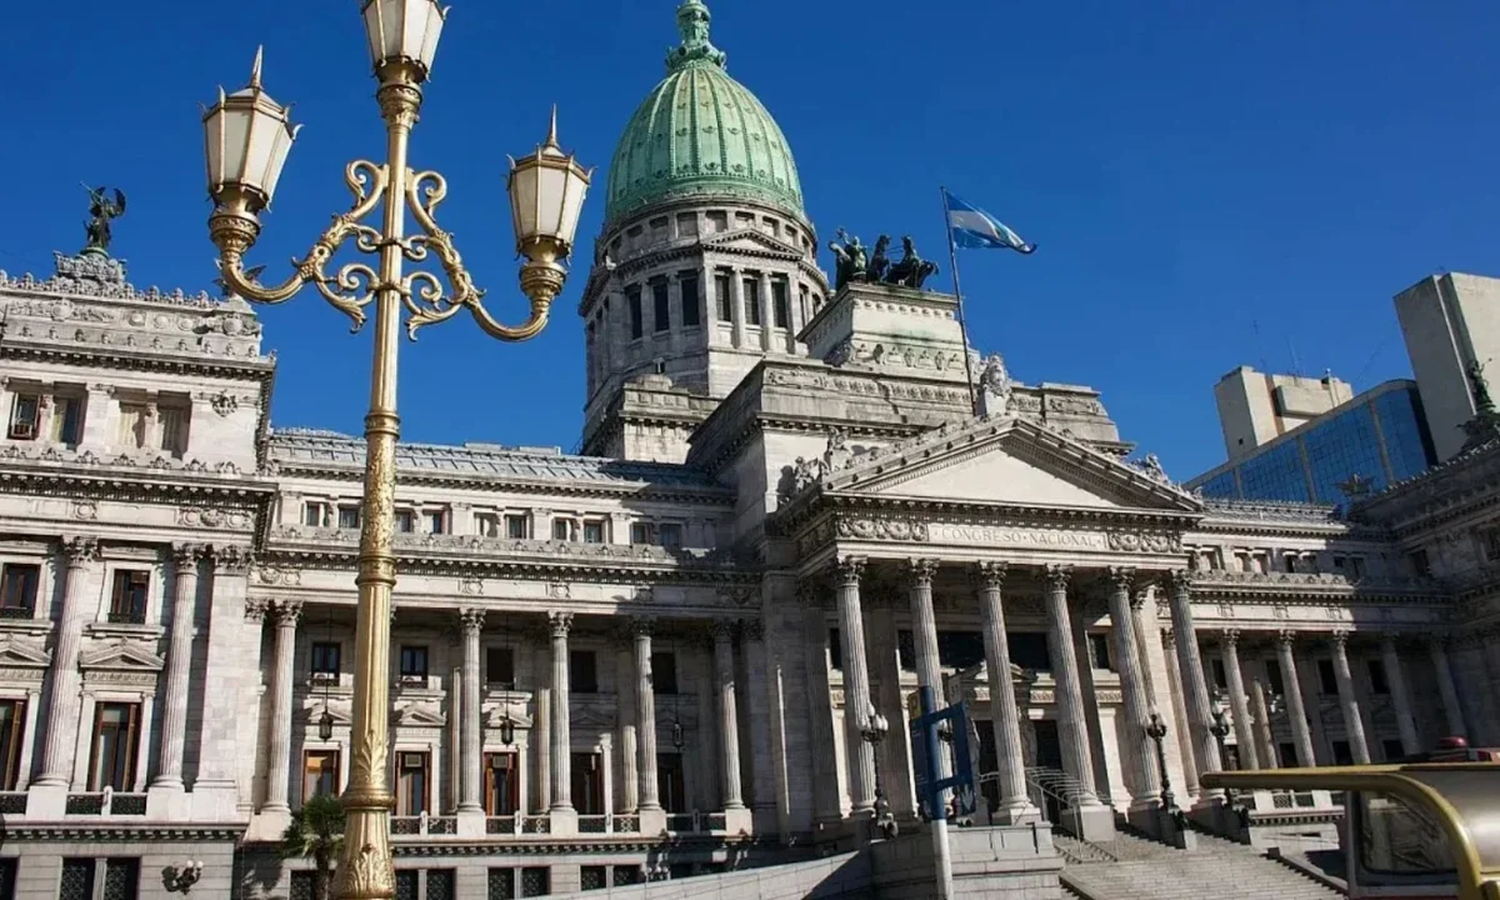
[1146,870]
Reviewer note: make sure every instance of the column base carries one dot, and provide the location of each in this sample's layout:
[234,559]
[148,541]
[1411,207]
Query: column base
[564,821]
[470,822]
[46,800]
[1022,813]
[653,821]
[217,801]
[168,800]
[1093,822]
[738,819]
[268,825]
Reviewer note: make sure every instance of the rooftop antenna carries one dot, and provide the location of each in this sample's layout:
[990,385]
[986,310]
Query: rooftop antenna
[1296,365]
[1260,348]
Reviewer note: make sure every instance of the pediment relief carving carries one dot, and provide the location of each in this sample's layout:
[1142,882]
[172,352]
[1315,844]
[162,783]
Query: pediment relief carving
[122,653]
[17,652]
[419,713]
[593,717]
[749,239]
[494,714]
[312,710]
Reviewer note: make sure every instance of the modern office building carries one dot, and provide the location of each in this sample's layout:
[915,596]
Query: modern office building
[660,661]
[1255,408]
[1450,322]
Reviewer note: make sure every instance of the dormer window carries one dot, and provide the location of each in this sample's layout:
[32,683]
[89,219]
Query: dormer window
[437,521]
[406,521]
[349,517]
[315,514]
[487,524]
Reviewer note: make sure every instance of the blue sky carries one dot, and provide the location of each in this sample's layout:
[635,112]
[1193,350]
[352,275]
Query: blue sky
[1211,183]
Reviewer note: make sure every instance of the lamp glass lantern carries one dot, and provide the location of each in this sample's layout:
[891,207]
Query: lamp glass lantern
[404,31]
[325,725]
[247,137]
[546,199]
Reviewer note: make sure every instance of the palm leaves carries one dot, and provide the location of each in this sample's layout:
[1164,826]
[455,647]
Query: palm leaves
[316,831]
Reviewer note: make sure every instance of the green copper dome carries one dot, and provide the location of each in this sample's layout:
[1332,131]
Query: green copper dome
[701,132]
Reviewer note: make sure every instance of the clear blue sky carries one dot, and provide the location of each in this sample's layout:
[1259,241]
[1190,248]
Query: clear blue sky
[1211,183]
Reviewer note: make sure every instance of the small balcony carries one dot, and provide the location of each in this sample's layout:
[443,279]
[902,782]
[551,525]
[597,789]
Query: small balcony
[126,617]
[106,803]
[18,612]
[424,824]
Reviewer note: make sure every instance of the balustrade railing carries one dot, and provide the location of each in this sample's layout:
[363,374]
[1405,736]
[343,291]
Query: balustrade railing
[593,824]
[13,803]
[424,824]
[107,802]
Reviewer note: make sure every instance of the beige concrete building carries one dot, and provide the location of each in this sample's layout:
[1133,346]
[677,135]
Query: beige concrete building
[1255,408]
[659,661]
[1450,322]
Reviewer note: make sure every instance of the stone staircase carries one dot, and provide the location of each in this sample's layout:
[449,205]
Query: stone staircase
[1132,867]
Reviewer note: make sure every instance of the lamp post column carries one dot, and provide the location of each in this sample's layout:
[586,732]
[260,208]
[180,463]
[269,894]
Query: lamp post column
[185,559]
[1238,705]
[1354,725]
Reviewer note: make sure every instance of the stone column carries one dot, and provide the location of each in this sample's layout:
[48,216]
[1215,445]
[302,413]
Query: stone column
[1354,725]
[767,311]
[1296,710]
[1395,677]
[645,708]
[81,553]
[561,764]
[1451,710]
[471,623]
[893,764]
[185,559]
[758,723]
[925,639]
[1139,750]
[1265,742]
[1005,717]
[1072,724]
[626,716]
[737,305]
[856,687]
[821,740]
[278,769]
[543,745]
[1194,685]
[1238,707]
[1178,725]
[729,723]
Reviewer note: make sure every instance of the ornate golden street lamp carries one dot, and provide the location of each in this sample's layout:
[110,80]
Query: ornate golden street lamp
[248,138]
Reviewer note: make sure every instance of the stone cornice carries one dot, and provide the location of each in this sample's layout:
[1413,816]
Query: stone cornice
[1219,584]
[132,483]
[112,830]
[121,358]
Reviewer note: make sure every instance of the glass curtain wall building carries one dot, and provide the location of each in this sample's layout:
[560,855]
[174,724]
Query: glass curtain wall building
[1380,435]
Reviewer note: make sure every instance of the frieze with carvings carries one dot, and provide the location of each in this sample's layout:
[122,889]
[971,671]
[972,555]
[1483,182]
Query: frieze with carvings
[906,529]
[284,576]
[209,517]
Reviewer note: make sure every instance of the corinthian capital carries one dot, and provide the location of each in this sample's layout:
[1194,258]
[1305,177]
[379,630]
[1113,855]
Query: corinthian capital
[922,571]
[471,621]
[559,624]
[185,557]
[642,627]
[1340,639]
[287,613]
[80,550]
[232,560]
[849,571]
[1231,637]
[722,630]
[1122,578]
[1181,581]
[754,630]
[1058,577]
[1286,637]
[991,574]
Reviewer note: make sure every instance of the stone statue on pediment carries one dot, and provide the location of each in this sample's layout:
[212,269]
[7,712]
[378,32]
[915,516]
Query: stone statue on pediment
[853,260]
[880,261]
[995,387]
[911,271]
[102,209]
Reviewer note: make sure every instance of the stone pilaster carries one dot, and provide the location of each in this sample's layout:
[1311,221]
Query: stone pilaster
[1229,652]
[561,764]
[1296,710]
[82,557]
[1395,676]
[758,717]
[1194,685]
[543,750]
[1453,713]
[279,751]
[471,750]
[856,687]
[645,707]
[626,718]
[825,780]
[1005,718]
[892,760]
[1354,725]
[1138,749]
[729,723]
[185,560]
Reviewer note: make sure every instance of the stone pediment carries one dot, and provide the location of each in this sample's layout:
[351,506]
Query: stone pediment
[24,654]
[419,714]
[1008,461]
[121,653]
[592,718]
[749,240]
[341,711]
[495,713]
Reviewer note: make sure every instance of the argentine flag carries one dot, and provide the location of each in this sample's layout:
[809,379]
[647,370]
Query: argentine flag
[975,229]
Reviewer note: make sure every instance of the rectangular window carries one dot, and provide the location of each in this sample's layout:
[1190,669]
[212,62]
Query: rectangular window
[502,785]
[122,879]
[127,600]
[661,307]
[639,533]
[1273,677]
[440,884]
[583,672]
[116,726]
[593,532]
[781,305]
[406,521]
[562,529]
[1393,750]
[437,522]
[1343,755]
[1328,683]
[314,514]
[1220,676]
[1420,565]
[722,301]
[1492,545]
[24,412]
[1287,751]
[687,288]
[77,881]
[502,884]
[1378,682]
[408,883]
[18,587]
[517,528]
[67,419]
[664,672]
[411,783]
[536,881]
[1099,650]
[325,658]
[593,878]
[752,301]
[348,516]
[906,650]
[12,722]
[173,427]
[413,662]
[487,524]
[588,784]
[637,323]
[500,667]
[835,650]
[802,301]
[669,782]
[320,774]
[1356,567]
[132,430]
[669,534]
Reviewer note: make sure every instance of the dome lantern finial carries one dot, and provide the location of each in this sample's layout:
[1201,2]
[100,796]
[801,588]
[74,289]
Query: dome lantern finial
[693,20]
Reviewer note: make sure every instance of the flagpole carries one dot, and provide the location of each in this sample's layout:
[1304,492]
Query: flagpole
[958,292]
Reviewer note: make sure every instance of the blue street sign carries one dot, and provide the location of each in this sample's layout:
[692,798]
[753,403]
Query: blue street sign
[925,754]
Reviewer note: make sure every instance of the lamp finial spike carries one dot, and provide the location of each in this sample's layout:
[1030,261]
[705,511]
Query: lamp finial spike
[255,67]
[552,128]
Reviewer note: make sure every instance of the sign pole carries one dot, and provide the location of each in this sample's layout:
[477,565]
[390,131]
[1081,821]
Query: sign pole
[942,854]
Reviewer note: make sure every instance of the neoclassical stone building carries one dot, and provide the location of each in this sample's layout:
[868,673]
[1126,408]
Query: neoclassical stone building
[658,660]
